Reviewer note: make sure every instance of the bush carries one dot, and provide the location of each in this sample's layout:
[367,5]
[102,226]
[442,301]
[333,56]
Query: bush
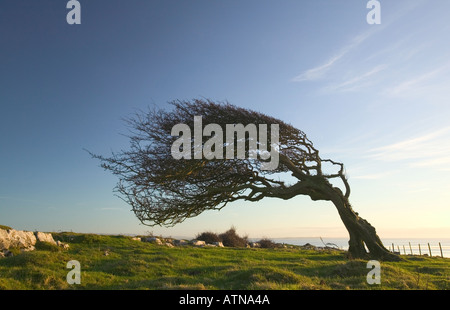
[267,244]
[208,237]
[5,227]
[231,239]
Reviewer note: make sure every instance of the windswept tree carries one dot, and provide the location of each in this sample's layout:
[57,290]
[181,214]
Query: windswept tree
[165,191]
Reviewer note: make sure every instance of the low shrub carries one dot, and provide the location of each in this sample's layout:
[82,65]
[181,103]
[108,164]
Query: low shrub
[267,244]
[208,237]
[231,239]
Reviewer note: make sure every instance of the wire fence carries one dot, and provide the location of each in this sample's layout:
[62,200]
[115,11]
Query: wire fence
[426,249]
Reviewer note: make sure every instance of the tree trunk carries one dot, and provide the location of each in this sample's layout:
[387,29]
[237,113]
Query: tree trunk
[362,234]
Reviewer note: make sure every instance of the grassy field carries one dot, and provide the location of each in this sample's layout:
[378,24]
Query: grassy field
[135,265]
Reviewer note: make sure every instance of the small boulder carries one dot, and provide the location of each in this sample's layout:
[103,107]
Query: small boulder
[179,242]
[65,246]
[219,244]
[255,245]
[198,242]
[308,246]
[152,240]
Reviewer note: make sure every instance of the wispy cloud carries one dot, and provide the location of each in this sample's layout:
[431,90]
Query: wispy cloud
[320,70]
[317,72]
[428,150]
[358,81]
[442,162]
[420,82]
[391,53]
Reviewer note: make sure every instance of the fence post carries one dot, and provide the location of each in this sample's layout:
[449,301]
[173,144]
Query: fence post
[429,248]
[420,252]
[404,249]
[441,249]
[410,248]
[393,249]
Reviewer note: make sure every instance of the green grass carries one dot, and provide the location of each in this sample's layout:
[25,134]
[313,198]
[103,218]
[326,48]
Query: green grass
[135,265]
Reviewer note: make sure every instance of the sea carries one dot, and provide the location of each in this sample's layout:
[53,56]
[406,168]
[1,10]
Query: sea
[415,246]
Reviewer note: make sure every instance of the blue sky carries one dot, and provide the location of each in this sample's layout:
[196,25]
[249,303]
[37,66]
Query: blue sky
[374,97]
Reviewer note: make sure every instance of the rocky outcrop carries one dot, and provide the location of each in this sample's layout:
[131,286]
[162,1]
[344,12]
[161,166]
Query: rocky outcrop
[17,239]
[24,240]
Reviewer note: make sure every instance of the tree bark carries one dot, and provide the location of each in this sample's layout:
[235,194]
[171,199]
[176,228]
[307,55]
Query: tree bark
[361,233]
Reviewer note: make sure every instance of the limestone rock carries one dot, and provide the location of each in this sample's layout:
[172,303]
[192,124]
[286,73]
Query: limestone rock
[44,237]
[219,244]
[198,242]
[152,240]
[65,246]
[5,240]
[308,246]
[16,239]
[24,240]
[255,244]
[180,242]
